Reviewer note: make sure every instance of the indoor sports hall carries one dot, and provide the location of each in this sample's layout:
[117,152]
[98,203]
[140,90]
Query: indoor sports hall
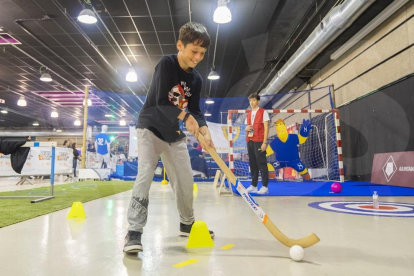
[206,137]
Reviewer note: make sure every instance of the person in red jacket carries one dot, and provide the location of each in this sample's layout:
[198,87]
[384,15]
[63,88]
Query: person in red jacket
[257,129]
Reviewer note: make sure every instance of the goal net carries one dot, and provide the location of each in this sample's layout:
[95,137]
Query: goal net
[321,153]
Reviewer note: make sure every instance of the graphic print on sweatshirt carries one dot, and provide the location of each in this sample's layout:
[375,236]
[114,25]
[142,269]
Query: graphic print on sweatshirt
[178,95]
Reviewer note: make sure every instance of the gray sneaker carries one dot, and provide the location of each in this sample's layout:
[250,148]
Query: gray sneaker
[133,242]
[186,229]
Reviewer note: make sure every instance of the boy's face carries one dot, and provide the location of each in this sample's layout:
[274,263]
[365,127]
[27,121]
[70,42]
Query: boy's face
[191,54]
[254,102]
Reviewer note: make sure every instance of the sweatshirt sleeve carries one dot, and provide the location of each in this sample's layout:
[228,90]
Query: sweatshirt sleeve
[163,84]
[194,106]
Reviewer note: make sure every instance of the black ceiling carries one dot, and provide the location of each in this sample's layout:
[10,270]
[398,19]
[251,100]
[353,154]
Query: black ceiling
[260,38]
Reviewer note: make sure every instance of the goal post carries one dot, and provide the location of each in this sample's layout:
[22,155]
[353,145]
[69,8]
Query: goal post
[321,153]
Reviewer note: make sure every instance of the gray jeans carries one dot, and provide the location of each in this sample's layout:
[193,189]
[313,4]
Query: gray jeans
[176,160]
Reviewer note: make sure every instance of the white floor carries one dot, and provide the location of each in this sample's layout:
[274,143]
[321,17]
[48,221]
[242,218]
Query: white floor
[350,244]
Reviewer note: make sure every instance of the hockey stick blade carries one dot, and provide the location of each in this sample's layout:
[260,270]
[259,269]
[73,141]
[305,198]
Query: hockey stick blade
[303,242]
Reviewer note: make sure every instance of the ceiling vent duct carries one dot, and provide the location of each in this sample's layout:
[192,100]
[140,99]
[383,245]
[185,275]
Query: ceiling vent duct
[334,23]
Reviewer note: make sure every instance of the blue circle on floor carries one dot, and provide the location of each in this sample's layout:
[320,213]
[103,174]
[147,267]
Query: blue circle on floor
[365,208]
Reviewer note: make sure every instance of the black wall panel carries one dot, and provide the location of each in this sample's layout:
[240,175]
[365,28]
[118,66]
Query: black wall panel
[381,122]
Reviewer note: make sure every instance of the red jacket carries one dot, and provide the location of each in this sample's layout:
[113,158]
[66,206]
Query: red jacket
[258,134]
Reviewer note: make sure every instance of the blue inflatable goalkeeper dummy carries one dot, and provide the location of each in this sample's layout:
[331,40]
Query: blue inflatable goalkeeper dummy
[285,146]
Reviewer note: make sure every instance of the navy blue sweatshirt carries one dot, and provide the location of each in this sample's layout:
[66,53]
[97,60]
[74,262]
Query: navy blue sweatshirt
[171,91]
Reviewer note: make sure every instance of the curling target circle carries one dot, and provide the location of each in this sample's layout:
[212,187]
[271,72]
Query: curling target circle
[365,208]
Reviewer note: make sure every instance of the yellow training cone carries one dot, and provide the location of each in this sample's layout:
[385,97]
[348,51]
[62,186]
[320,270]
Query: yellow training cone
[195,188]
[199,236]
[77,211]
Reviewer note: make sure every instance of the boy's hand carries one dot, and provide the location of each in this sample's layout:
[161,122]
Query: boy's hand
[249,128]
[207,138]
[209,142]
[263,147]
[192,125]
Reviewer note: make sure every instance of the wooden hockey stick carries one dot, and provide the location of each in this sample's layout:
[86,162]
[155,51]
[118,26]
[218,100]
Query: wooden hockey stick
[303,242]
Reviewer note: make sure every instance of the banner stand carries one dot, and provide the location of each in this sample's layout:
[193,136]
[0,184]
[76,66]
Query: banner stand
[24,179]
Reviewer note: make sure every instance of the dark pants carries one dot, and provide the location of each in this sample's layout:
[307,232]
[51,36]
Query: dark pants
[258,162]
[75,162]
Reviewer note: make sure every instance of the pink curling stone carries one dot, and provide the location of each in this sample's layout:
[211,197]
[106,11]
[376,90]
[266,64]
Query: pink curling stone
[336,187]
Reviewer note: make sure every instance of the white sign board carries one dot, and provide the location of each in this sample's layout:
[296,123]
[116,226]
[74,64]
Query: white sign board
[38,162]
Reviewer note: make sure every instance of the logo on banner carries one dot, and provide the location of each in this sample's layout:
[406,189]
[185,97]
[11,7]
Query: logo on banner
[236,132]
[45,155]
[390,168]
[63,156]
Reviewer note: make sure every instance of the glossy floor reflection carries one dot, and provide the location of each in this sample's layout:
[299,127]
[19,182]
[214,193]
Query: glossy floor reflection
[350,244]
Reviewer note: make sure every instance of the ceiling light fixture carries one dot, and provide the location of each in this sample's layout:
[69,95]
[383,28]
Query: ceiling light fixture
[21,101]
[207,114]
[209,101]
[108,115]
[58,130]
[36,123]
[222,14]
[77,122]
[122,122]
[54,114]
[131,76]
[87,16]
[213,75]
[4,111]
[89,102]
[46,77]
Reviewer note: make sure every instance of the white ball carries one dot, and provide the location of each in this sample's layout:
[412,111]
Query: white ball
[297,253]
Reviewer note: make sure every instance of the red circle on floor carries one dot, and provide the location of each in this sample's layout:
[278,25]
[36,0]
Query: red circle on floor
[381,207]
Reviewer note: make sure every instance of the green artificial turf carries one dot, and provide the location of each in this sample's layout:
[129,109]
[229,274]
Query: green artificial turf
[17,210]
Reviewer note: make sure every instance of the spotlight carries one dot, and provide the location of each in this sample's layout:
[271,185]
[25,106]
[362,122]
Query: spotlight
[87,16]
[131,76]
[213,75]
[89,102]
[46,77]
[209,101]
[222,14]
[21,101]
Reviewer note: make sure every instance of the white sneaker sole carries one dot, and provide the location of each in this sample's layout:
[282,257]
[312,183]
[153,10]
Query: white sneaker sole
[186,235]
[133,249]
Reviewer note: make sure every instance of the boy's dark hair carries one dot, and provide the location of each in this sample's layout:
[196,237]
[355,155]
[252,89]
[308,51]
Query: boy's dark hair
[64,142]
[196,33]
[195,145]
[254,96]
